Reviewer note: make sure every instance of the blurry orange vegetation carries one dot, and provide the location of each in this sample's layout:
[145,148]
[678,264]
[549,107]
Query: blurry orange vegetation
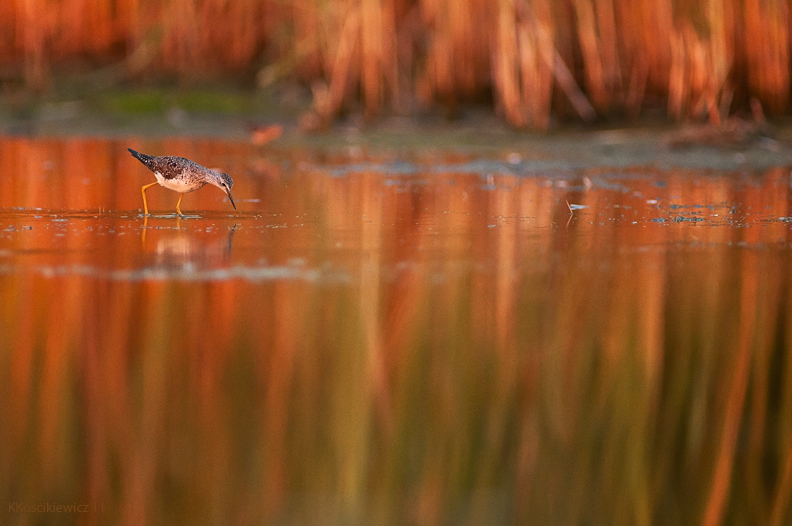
[586,59]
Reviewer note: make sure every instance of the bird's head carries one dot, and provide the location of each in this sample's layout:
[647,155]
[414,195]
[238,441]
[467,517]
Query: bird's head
[224,182]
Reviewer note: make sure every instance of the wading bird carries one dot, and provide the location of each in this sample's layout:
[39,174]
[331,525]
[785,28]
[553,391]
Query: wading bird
[181,175]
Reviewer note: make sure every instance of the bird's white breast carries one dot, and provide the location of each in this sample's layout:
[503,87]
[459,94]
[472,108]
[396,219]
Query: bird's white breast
[177,184]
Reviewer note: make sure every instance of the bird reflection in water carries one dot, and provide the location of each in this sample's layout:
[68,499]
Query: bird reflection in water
[188,249]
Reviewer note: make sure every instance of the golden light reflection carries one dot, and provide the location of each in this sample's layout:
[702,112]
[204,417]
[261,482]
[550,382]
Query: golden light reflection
[356,345]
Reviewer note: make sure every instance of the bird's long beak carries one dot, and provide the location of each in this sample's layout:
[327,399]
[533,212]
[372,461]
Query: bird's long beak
[231,198]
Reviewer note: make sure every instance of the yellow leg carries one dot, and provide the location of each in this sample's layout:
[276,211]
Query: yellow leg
[143,191]
[178,210]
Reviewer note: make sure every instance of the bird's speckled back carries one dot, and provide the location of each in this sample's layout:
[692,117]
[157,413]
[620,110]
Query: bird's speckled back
[171,166]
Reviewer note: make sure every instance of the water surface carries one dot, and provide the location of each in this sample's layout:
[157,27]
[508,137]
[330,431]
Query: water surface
[425,338]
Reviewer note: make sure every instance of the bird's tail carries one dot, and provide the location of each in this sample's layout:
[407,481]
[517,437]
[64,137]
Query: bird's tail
[142,157]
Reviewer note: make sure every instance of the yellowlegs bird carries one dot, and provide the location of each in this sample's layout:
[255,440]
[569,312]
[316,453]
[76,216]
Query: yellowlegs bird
[181,175]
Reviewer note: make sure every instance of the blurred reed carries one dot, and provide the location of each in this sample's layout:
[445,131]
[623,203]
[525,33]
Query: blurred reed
[532,59]
[529,373]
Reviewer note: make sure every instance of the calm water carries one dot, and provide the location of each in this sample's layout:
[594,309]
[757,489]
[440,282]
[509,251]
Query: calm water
[426,339]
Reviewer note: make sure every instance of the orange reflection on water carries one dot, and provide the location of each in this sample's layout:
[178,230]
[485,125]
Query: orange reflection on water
[392,341]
